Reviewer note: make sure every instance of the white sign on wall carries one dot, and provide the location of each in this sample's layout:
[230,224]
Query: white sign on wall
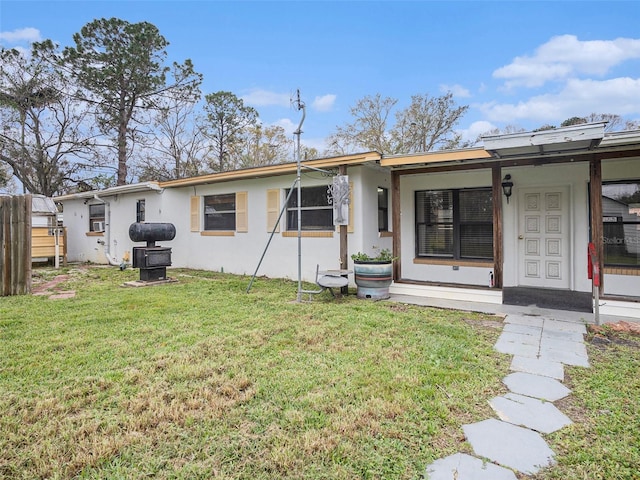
[338,194]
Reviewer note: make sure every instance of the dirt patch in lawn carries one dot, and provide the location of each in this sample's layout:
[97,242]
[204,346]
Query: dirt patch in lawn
[43,284]
[619,333]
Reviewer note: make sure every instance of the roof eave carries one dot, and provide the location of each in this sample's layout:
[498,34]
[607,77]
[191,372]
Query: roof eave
[441,157]
[112,191]
[273,170]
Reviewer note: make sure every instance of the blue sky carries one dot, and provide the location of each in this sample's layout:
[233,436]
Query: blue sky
[514,63]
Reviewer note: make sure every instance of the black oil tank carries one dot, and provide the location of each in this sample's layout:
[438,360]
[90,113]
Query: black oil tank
[152,232]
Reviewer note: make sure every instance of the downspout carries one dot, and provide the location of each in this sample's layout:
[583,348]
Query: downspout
[107,225]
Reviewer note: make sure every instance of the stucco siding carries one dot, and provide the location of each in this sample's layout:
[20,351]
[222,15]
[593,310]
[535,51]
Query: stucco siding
[234,252]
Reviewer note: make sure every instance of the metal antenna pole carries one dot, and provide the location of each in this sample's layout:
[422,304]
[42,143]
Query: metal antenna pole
[300,105]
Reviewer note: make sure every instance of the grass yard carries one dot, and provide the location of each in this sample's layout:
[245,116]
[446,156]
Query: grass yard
[604,441]
[198,380]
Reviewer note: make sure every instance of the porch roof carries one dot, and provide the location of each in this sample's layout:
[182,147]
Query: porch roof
[571,143]
[578,138]
[467,155]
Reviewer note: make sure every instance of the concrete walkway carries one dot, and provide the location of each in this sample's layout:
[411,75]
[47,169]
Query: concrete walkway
[541,344]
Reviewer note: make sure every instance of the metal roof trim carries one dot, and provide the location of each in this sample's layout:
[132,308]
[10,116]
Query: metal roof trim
[111,191]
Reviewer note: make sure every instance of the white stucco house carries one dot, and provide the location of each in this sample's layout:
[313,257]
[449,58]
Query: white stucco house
[446,216]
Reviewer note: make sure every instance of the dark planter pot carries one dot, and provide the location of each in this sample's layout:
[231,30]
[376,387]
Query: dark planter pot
[373,279]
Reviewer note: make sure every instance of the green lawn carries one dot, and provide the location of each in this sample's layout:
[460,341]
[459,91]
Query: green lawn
[198,379]
[604,441]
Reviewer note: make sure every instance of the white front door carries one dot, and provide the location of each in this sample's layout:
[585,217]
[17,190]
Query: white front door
[544,237]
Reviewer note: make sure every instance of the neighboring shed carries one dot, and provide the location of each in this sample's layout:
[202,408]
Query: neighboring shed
[47,238]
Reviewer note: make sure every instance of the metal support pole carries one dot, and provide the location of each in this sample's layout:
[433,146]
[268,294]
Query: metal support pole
[297,133]
[596,306]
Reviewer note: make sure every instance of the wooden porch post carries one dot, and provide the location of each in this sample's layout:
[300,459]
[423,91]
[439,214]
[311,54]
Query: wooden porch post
[595,196]
[395,223]
[496,182]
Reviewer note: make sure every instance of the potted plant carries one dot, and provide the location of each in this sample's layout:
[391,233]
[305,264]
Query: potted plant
[373,275]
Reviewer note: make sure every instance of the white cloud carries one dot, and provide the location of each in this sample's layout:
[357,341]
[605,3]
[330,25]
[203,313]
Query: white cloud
[291,126]
[565,56]
[21,35]
[619,96]
[287,124]
[476,129]
[265,98]
[457,90]
[324,103]
[320,144]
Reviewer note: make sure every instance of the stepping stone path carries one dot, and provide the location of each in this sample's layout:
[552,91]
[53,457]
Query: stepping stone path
[50,289]
[513,443]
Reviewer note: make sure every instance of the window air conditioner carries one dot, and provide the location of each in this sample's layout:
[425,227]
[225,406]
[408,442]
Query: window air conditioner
[98,226]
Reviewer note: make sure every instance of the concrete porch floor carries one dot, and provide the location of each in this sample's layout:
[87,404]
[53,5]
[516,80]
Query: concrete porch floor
[504,310]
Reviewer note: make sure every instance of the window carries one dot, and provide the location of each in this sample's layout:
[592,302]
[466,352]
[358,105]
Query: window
[220,212]
[96,217]
[316,212]
[383,209]
[455,224]
[621,223]
[140,211]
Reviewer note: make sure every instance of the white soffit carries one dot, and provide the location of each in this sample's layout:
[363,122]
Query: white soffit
[557,141]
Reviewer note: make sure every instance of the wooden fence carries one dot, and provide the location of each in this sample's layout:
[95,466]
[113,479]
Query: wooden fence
[15,245]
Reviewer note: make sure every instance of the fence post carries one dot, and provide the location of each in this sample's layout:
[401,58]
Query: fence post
[15,245]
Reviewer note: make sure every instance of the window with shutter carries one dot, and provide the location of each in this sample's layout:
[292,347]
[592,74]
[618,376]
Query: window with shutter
[220,212]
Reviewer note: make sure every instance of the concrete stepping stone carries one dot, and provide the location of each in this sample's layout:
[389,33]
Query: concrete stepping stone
[538,366]
[564,326]
[523,329]
[506,444]
[529,412]
[575,354]
[531,320]
[562,335]
[579,348]
[461,466]
[518,344]
[536,386]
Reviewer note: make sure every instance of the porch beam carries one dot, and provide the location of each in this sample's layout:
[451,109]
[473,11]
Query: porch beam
[395,223]
[496,183]
[595,197]
[522,162]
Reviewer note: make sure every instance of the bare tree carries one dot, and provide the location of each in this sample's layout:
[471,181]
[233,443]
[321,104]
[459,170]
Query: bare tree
[615,123]
[46,140]
[176,147]
[265,145]
[369,128]
[426,124]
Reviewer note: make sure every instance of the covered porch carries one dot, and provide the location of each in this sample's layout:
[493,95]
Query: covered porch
[510,223]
